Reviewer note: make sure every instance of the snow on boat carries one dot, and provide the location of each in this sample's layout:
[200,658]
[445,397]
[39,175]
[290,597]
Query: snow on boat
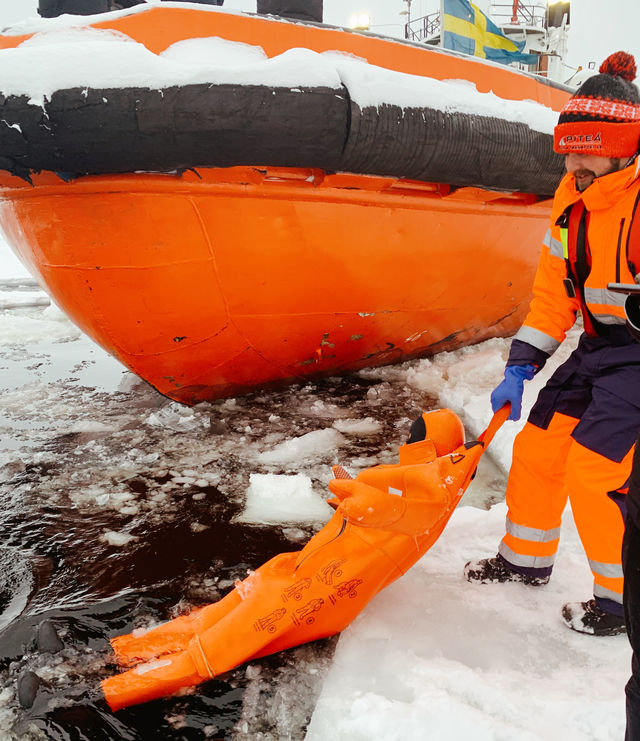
[226,201]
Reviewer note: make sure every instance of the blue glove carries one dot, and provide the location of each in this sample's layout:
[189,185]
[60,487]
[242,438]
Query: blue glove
[511,389]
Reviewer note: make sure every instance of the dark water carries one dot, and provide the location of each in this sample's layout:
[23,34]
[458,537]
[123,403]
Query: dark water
[169,481]
[118,511]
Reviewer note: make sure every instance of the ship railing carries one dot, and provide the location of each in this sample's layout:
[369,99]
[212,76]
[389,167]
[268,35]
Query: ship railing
[422,29]
[516,13]
[519,14]
[532,15]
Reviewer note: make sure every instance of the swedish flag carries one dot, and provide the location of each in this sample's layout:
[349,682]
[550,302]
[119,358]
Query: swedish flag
[467,29]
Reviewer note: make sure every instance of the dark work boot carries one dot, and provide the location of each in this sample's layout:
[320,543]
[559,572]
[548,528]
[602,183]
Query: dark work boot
[587,617]
[496,571]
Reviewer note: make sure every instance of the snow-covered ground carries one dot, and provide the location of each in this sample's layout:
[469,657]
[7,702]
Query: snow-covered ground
[432,657]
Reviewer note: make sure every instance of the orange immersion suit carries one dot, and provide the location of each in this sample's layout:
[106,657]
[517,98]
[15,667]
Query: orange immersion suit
[579,438]
[385,520]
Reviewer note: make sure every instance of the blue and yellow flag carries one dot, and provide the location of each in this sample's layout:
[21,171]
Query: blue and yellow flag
[467,29]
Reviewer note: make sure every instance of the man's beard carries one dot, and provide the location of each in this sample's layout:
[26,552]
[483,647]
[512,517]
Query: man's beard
[580,173]
[614,167]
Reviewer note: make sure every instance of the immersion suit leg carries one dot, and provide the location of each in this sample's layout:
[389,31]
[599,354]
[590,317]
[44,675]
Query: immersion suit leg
[151,681]
[173,635]
[536,496]
[214,639]
[590,477]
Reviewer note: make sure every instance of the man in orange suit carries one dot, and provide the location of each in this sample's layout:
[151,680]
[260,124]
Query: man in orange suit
[579,438]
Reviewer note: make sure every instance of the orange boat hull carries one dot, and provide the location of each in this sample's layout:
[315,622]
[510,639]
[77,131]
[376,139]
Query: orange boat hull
[210,284]
[221,280]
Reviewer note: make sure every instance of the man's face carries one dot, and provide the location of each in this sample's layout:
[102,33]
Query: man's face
[587,167]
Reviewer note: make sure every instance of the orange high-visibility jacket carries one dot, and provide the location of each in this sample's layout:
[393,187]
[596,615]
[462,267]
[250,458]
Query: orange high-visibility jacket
[610,203]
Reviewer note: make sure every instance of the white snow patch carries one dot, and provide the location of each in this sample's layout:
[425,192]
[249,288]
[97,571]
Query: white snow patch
[175,417]
[313,444]
[370,85]
[16,299]
[215,51]
[283,499]
[90,425]
[103,59]
[122,501]
[37,327]
[76,56]
[295,534]
[366,426]
[117,539]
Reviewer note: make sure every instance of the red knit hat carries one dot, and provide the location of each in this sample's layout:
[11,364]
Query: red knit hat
[603,117]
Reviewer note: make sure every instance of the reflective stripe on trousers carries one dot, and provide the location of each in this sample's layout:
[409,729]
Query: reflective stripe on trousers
[549,467]
[534,548]
[608,579]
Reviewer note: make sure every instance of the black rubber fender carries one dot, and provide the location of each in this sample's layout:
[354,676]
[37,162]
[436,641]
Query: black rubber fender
[460,149]
[303,10]
[54,8]
[88,131]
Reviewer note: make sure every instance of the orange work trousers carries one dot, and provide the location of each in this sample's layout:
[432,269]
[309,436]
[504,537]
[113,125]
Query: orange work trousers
[548,467]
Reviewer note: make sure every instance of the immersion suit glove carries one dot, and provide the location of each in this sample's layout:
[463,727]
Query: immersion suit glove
[511,389]
[366,505]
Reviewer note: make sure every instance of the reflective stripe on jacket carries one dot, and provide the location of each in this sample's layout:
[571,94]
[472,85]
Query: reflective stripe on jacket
[610,203]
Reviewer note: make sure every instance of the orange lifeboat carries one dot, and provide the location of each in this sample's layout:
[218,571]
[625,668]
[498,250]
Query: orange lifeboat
[262,264]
